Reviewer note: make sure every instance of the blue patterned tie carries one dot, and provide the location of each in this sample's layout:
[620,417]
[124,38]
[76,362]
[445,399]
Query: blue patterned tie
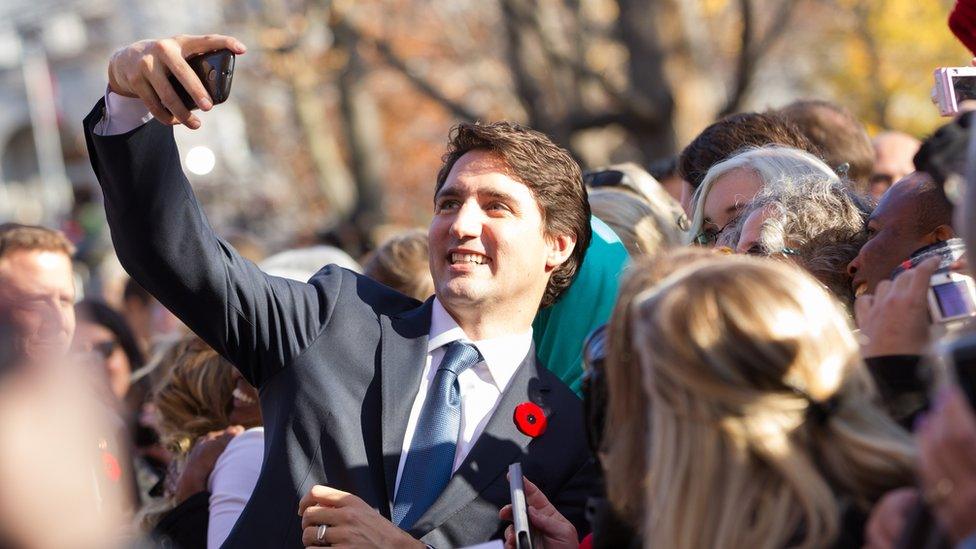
[430,461]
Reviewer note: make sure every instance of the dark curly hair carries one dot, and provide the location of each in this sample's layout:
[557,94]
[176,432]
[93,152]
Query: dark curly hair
[548,170]
[734,133]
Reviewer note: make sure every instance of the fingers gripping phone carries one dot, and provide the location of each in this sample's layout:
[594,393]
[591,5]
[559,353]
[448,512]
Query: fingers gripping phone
[520,511]
[215,70]
[952,296]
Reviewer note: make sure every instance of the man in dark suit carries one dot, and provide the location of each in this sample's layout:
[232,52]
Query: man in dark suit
[403,410]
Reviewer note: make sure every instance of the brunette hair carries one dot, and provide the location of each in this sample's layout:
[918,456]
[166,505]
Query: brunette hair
[840,137]
[547,170]
[734,133]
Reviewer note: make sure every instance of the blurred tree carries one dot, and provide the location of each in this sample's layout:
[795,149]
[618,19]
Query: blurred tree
[373,85]
[578,66]
[880,60]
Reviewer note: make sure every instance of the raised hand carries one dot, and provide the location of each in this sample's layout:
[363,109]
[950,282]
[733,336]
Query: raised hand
[895,319]
[555,531]
[142,70]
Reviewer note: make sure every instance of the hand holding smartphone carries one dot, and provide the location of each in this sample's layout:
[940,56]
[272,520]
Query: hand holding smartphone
[215,70]
[520,511]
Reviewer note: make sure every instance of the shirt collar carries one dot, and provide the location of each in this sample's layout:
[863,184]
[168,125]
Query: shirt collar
[502,355]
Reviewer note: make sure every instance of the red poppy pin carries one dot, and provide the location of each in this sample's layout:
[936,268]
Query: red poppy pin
[530,419]
[111,466]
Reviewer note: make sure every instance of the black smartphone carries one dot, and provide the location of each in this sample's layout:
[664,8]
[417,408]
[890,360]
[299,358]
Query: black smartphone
[215,69]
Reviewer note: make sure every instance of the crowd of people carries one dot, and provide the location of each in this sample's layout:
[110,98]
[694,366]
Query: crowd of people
[760,353]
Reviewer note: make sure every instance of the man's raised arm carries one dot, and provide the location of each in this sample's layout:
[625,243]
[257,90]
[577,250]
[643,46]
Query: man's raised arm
[162,236]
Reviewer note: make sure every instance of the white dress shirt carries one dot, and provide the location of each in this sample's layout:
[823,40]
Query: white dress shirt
[122,114]
[230,484]
[481,385]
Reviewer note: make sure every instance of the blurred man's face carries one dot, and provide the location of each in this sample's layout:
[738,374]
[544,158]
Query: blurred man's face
[893,235]
[893,154]
[37,292]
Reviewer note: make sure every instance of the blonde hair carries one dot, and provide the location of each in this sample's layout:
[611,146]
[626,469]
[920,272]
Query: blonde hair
[774,164]
[403,263]
[193,397]
[642,230]
[624,452]
[761,416]
[196,395]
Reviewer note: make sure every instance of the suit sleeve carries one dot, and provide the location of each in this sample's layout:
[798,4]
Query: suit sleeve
[163,239]
[572,497]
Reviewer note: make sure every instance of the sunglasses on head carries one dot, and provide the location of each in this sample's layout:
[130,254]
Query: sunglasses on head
[603,178]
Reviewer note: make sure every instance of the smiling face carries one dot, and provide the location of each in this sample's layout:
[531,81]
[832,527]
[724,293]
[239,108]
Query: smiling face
[245,409]
[894,233]
[37,292]
[488,250]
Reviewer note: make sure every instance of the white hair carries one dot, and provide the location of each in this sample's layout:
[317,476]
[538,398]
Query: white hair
[774,164]
[301,263]
[819,220]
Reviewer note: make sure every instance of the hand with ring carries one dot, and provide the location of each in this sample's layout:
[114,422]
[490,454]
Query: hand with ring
[947,463]
[333,518]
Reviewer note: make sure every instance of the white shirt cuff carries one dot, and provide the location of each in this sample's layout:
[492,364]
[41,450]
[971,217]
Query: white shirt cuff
[122,114]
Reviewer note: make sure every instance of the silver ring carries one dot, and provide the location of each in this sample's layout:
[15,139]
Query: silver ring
[320,532]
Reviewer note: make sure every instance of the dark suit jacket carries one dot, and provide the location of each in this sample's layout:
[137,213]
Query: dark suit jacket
[337,360]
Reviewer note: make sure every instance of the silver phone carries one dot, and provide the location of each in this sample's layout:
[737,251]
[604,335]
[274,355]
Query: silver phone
[520,512]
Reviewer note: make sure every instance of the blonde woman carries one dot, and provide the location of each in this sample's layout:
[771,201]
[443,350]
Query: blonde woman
[402,263]
[764,429]
[761,423]
[642,230]
[203,408]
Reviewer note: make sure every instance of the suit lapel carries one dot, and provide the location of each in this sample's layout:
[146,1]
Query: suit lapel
[403,354]
[499,445]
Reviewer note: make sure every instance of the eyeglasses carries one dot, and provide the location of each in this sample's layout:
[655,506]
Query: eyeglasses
[605,178]
[757,250]
[708,237]
[710,232]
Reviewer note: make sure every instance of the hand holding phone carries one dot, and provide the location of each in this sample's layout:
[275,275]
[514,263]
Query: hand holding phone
[142,70]
[520,511]
[536,522]
[215,70]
